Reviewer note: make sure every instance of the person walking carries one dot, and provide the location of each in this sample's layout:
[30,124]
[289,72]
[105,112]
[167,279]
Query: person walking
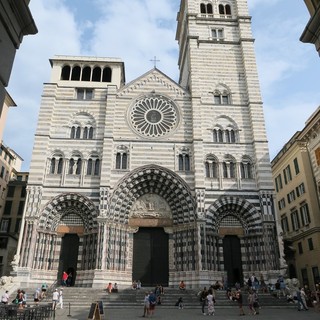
[37,296]
[301,302]
[60,298]
[239,298]
[256,303]
[211,301]
[55,299]
[5,298]
[152,303]
[250,302]
[203,299]
[146,304]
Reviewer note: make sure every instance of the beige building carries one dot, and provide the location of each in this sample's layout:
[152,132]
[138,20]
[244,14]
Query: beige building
[15,22]
[311,33]
[11,220]
[10,164]
[311,135]
[294,170]
[8,102]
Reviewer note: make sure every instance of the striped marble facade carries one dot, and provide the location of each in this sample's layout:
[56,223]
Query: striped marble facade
[207,172]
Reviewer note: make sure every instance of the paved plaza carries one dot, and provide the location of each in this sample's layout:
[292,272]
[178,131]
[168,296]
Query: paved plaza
[190,314]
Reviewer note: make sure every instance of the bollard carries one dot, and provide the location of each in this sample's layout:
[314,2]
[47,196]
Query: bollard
[69,315]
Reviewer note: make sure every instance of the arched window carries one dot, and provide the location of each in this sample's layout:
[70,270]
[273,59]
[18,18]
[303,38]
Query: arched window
[184,162]
[96,74]
[124,161]
[53,166]
[60,166]
[107,74]
[225,170]
[76,71]
[73,133]
[229,169]
[79,165]
[246,170]
[97,167]
[209,8]
[211,168]
[230,136]
[90,133]
[203,8]
[232,170]
[85,133]
[220,135]
[215,135]
[221,98]
[227,9]
[86,74]
[121,161]
[71,166]
[89,167]
[78,132]
[65,73]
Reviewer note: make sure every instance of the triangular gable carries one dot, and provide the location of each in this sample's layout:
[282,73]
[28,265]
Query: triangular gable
[157,76]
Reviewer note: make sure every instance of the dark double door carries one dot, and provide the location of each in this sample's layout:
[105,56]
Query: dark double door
[232,259]
[69,256]
[151,257]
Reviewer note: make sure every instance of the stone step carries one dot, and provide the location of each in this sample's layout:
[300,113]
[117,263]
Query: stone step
[79,297]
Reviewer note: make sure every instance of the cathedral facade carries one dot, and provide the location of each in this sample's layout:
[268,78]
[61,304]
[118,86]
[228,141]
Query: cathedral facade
[154,180]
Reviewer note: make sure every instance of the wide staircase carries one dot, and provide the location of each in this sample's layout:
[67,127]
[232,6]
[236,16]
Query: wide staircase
[78,297]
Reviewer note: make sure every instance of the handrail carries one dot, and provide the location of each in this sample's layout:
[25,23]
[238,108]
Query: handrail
[51,289]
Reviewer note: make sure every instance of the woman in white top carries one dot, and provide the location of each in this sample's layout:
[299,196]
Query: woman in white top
[211,301]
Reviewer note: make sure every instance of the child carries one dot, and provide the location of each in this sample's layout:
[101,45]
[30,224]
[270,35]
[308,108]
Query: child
[179,303]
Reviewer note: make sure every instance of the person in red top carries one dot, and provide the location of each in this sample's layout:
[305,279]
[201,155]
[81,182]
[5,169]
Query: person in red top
[64,278]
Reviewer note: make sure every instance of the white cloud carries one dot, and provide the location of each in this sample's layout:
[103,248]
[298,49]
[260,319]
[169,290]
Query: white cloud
[138,30]
[143,30]
[58,34]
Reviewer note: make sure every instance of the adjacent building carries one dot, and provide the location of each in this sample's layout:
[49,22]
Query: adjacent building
[311,33]
[154,180]
[295,171]
[11,218]
[8,102]
[15,22]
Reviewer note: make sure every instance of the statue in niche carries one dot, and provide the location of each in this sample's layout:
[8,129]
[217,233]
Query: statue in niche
[150,206]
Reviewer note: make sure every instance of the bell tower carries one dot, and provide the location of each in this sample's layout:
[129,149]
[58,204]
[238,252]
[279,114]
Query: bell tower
[231,155]
[217,65]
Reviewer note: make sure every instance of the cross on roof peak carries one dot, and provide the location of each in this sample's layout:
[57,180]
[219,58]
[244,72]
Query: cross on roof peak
[154,60]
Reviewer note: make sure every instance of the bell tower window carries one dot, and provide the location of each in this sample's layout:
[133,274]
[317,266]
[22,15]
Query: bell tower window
[206,9]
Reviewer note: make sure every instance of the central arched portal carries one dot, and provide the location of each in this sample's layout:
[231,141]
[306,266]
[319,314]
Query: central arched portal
[69,257]
[232,259]
[151,256]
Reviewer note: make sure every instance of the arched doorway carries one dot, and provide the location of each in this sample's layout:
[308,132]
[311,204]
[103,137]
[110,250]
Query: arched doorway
[151,257]
[69,257]
[232,259]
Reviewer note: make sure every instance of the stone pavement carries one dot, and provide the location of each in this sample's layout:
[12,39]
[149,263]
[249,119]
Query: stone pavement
[230,313]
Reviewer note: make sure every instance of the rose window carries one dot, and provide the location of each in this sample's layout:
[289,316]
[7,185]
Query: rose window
[153,116]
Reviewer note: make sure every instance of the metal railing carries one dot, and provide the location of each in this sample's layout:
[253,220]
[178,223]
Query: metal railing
[40,312]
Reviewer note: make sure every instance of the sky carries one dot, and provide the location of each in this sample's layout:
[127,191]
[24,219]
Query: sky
[138,30]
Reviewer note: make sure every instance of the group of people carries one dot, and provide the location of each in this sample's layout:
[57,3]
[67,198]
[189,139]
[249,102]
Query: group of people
[149,304]
[207,297]
[66,279]
[112,288]
[20,299]
[136,285]
[57,298]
